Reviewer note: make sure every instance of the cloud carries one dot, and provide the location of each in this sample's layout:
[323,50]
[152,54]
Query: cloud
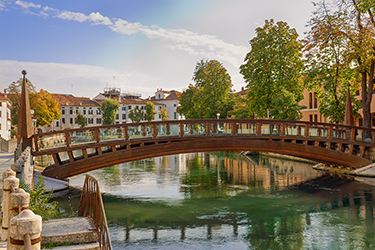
[27,5]
[63,78]
[190,42]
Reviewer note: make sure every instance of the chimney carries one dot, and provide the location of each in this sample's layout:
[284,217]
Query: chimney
[242,88]
[5,93]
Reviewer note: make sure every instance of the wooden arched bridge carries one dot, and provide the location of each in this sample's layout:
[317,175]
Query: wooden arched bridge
[77,151]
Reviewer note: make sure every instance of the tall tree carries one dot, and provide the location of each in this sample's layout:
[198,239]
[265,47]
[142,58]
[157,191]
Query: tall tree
[356,24]
[109,108]
[328,70]
[211,93]
[273,70]
[136,115]
[150,111]
[81,120]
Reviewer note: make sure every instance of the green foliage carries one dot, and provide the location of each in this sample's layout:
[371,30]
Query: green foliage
[150,111]
[50,245]
[109,109]
[81,120]
[163,113]
[273,70]
[211,93]
[136,115]
[328,71]
[39,200]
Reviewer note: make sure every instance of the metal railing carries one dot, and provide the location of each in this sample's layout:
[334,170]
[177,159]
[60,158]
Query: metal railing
[208,127]
[91,206]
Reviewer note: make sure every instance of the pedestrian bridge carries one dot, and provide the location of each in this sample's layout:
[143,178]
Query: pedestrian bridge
[77,151]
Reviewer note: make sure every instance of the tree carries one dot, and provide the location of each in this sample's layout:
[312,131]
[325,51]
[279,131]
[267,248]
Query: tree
[357,28]
[136,115]
[211,93]
[163,113]
[273,70]
[81,120]
[46,108]
[150,111]
[109,109]
[14,94]
[328,70]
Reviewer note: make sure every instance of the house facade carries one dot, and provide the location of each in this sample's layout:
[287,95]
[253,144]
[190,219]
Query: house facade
[170,101]
[5,118]
[69,106]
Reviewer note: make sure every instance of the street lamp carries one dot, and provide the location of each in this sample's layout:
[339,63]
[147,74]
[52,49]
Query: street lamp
[217,126]
[218,115]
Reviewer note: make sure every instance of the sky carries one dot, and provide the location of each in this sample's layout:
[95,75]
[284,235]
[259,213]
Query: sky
[81,47]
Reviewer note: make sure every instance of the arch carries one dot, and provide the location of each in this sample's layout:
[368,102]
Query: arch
[154,148]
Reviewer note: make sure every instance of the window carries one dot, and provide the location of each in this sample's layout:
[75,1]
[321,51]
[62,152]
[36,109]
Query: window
[130,107]
[71,120]
[116,116]
[315,101]
[311,118]
[63,111]
[175,116]
[98,120]
[360,121]
[75,121]
[63,120]
[98,112]
[0,113]
[123,107]
[124,116]
[1,104]
[71,111]
[84,111]
[310,101]
[159,116]
[57,124]
[175,105]
[315,118]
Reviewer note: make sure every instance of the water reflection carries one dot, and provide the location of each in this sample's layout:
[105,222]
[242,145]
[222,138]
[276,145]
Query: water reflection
[225,201]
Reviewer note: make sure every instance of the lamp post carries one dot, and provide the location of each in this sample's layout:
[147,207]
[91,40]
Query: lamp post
[218,117]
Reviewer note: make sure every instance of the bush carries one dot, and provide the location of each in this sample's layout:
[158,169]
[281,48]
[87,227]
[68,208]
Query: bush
[39,200]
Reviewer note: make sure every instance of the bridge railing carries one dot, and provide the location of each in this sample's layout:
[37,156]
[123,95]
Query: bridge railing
[208,127]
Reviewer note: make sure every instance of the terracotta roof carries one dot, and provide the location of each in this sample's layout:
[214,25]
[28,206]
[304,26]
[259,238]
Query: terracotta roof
[242,92]
[2,97]
[70,100]
[173,95]
[137,101]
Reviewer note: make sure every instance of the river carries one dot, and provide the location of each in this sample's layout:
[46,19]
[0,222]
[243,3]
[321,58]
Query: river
[227,201]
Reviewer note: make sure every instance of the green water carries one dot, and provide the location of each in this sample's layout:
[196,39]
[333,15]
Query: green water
[227,201]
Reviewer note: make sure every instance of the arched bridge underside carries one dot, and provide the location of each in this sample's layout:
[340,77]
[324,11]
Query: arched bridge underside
[106,146]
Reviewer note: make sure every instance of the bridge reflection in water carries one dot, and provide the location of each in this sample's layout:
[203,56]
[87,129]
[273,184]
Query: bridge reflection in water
[266,203]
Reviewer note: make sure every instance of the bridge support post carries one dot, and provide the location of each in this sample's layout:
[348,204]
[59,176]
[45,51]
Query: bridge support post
[9,180]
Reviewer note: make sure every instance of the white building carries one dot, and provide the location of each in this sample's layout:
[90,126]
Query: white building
[170,101]
[5,118]
[69,105]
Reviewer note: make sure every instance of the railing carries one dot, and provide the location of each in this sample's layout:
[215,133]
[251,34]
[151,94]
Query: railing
[180,128]
[4,145]
[91,206]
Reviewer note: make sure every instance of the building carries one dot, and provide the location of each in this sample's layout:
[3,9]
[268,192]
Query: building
[170,101]
[127,101]
[5,118]
[70,105]
[311,112]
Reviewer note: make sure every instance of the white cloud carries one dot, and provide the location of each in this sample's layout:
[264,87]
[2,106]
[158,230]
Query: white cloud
[63,78]
[178,39]
[27,5]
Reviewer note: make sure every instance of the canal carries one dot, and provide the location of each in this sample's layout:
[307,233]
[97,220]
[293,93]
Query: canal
[227,201]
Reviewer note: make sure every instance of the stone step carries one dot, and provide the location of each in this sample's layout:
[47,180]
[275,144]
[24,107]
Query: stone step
[90,246]
[76,230]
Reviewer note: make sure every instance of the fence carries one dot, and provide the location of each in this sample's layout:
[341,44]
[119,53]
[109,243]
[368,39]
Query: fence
[91,206]
[4,145]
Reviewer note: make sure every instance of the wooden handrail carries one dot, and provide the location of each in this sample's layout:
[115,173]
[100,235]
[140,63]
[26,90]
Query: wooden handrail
[91,206]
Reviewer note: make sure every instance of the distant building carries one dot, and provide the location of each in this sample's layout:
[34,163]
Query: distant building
[69,105]
[127,101]
[170,100]
[5,118]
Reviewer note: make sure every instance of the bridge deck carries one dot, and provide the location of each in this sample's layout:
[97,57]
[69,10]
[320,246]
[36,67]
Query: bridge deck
[80,150]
